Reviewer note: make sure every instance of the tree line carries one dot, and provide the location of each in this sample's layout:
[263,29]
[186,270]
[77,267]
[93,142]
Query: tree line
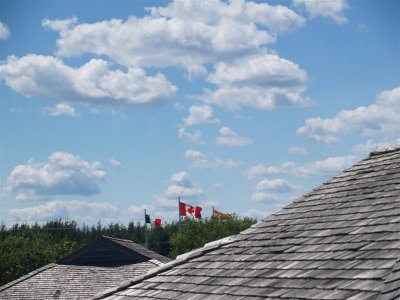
[25,247]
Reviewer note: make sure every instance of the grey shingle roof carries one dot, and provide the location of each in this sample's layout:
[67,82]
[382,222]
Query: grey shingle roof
[103,263]
[341,241]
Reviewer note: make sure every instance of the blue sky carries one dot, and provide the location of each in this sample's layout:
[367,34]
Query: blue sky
[110,107]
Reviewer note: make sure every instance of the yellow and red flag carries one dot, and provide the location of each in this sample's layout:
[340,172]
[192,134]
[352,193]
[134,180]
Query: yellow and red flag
[221,214]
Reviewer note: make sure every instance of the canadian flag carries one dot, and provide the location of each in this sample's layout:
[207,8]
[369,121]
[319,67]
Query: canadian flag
[186,210]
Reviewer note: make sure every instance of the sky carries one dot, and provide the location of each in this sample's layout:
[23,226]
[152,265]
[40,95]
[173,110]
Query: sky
[112,107]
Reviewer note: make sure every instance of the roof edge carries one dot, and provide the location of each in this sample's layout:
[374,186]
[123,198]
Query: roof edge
[384,150]
[165,267]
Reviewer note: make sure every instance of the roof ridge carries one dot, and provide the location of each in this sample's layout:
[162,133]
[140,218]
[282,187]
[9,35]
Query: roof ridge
[165,267]
[386,149]
[27,276]
[138,248]
[114,238]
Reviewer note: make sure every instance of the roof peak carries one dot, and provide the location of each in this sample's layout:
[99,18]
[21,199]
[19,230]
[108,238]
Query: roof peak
[386,149]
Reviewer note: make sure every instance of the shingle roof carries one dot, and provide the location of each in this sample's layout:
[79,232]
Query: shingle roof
[109,251]
[103,263]
[341,241]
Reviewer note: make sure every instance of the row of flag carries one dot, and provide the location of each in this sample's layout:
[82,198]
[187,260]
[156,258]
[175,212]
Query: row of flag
[187,210]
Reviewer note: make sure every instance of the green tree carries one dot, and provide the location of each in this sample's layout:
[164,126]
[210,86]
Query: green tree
[21,254]
[195,233]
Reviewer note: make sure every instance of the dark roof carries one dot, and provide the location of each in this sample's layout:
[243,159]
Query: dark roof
[101,264]
[341,241]
[108,251]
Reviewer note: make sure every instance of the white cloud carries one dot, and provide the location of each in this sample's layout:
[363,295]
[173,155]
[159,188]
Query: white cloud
[116,163]
[298,150]
[201,161]
[266,70]
[230,138]
[261,170]
[276,186]
[195,137]
[276,18]
[4,31]
[61,109]
[200,115]
[263,81]
[184,33]
[378,119]
[333,9]
[93,82]
[60,25]
[180,186]
[257,213]
[266,197]
[323,168]
[80,211]
[275,190]
[62,174]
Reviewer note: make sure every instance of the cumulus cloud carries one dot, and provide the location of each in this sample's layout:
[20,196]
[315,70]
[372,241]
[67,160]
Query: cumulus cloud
[180,185]
[62,174]
[93,82]
[257,213]
[61,109]
[195,137]
[316,169]
[80,211]
[266,197]
[229,137]
[200,115]
[4,31]
[275,185]
[275,190]
[298,150]
[60,25]
[333,9]
[116,163]
[201,161]
[263,81]
[184,33]
[378,119]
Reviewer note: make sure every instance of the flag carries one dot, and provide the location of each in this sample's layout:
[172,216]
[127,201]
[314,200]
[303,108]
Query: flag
[147,218]
[157,223]
[186,210]
[221,215]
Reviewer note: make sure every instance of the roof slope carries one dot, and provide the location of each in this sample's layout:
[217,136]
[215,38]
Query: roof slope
[341,241]
[108,251]
[103,263]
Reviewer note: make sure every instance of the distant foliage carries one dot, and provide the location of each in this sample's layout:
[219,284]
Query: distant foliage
[23,253]
[24,248]
[195,233]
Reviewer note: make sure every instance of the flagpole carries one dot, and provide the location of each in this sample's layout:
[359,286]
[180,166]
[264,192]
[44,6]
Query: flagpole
[146,241]
[179,211]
